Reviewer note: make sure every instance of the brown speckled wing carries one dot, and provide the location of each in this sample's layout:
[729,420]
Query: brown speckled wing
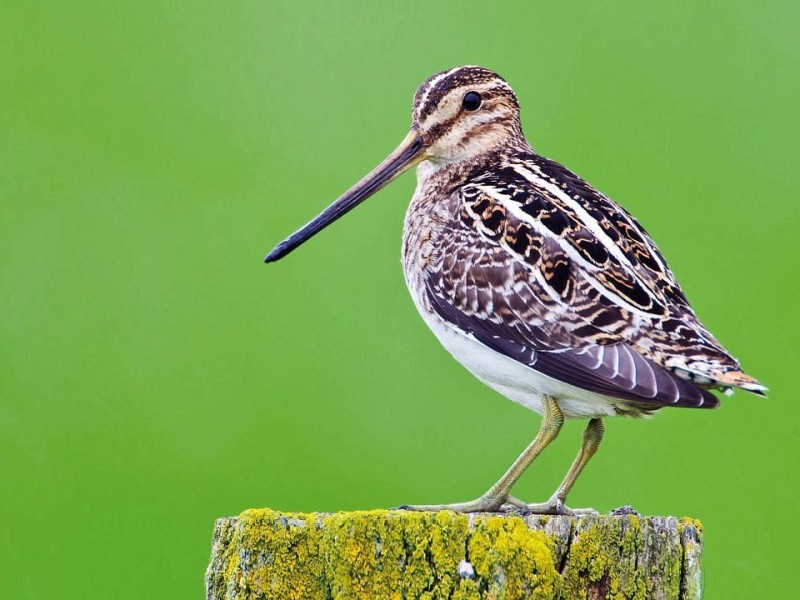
[541,267]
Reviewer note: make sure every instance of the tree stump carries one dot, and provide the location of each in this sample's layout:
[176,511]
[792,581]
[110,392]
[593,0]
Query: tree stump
[406,555]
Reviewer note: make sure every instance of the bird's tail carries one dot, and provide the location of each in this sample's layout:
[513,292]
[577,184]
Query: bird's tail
[732,379]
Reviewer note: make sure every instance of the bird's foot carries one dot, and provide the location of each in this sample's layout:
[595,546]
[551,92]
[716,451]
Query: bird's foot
[485,503]
[554,506]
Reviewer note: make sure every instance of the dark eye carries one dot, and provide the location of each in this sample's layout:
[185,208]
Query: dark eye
[472,101]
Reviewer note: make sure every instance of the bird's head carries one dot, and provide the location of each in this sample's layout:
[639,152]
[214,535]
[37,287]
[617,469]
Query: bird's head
[458,115]
[464,112]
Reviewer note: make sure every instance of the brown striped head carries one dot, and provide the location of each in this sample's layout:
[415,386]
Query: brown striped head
[463,112]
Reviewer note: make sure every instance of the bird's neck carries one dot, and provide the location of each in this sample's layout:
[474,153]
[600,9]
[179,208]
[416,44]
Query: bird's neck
[485,158]
[451,173]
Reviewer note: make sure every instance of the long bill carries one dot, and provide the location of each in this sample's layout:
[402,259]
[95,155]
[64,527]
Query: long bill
[410,152]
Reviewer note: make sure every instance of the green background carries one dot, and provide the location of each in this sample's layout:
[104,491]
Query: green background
[155,375]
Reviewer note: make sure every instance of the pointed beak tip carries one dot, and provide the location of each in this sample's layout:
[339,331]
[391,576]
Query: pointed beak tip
[275,254]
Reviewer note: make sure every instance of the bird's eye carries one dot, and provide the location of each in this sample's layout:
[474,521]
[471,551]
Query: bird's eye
[472,101]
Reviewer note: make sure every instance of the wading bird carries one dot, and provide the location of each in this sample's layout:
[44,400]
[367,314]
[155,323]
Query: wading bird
[541,286]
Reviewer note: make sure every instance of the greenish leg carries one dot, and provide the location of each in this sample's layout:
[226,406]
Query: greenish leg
[498,494]
[592,436]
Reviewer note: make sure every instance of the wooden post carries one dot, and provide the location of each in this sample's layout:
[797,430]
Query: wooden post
[380,554]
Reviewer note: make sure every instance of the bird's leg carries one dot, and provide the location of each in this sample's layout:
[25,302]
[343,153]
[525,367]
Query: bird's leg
[592,436]
[497,495]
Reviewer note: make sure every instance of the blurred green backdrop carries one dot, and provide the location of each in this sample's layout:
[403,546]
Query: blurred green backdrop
[155,375]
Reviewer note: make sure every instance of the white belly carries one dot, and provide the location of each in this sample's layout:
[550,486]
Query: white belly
[518,382]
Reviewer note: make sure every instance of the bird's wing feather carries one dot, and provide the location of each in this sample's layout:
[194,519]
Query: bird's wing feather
[613,370]
[538,265]
[593,263]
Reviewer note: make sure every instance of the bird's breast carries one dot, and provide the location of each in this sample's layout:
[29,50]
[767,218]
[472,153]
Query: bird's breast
[428,217]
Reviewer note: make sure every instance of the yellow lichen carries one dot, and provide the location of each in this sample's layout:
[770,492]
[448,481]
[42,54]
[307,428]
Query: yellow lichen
[513,561]
[602,561]
[409,555]
[393,554]
[382,554]
[691,532]
[690,521]
[268,550]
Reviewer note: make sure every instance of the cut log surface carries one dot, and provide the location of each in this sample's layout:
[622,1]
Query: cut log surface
[407,555]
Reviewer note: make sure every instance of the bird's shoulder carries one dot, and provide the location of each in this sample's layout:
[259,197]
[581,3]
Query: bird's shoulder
[527,203]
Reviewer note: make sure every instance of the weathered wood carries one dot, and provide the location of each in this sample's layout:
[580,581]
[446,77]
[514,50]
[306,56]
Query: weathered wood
[405,555]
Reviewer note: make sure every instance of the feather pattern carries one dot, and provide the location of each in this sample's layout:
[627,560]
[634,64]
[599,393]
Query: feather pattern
[524,257]
[534,263]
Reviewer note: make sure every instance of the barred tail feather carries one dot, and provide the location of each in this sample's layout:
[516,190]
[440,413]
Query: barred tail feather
[741,380]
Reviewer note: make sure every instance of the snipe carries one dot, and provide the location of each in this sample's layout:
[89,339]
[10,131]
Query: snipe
[541,286]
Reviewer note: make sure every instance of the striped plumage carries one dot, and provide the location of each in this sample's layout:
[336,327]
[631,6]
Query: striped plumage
[544,288]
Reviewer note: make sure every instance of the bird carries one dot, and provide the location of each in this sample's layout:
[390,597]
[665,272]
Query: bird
[545,289]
